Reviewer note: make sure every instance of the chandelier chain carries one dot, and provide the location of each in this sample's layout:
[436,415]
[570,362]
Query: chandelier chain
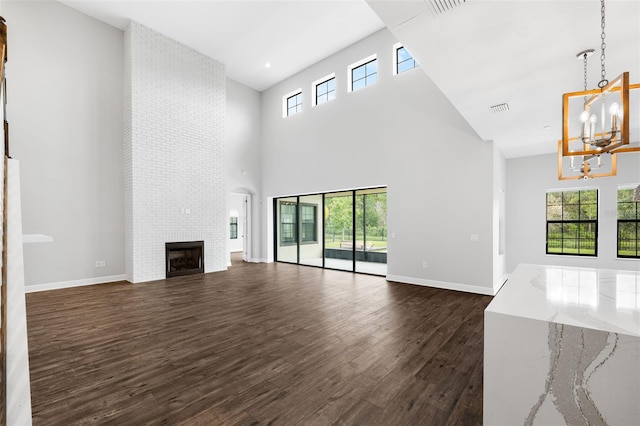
[603,46]
[585,55]
[585,71]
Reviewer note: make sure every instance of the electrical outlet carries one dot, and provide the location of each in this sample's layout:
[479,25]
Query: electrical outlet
[97,263]
[103,263]
[425,265]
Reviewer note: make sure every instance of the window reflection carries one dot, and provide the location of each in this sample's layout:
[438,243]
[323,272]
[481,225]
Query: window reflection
[627,290]
[572,286]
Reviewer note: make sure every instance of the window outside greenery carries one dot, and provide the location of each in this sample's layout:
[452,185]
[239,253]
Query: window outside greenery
[364,75]
[234,228]
[572,222]
[404,60]
[326,91]
[371,221]
[288,223]
[628,224]
[294,104]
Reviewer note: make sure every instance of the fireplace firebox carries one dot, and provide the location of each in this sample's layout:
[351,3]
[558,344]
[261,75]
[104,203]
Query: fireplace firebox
[184,258]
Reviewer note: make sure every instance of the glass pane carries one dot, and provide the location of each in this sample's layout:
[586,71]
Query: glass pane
[587,235]
[372,67]
[332,84]
[625,195]
[338,235]
[321,88]
[590,196]
[371,79]
[403,55]
[554,198]
[554,238]
[571,212]
[554,212]
[357,73]
[571,197]
[286,230]
[371,231]
[626,210]
[588,211]
[405,66]
[311,230]
[358,84]
[321,99]
[627,239]
[331,95]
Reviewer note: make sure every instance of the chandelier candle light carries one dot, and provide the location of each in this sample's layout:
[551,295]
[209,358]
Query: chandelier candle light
[600,127]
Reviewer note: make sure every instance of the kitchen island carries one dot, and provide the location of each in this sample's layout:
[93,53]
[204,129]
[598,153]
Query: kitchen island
[562,346]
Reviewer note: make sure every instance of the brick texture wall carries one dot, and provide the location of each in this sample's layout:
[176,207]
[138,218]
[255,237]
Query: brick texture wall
[173,153]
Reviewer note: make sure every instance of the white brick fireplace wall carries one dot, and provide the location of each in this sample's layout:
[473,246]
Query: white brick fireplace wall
[173,153]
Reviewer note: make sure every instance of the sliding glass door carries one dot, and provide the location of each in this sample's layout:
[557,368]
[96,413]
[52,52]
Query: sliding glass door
[310,208]
[287,229]
[341,230]
[338,225]
[371,231]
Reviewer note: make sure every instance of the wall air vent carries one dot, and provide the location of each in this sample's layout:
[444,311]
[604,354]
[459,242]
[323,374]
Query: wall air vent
[504,107]
[441,6]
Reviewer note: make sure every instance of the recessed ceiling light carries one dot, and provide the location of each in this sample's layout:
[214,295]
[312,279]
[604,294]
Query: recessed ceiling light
[267,64]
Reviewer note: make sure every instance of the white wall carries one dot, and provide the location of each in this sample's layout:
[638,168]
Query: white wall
[499,218]
[529,179]
[174,153]
[401,133]
[65,114]
[243,154]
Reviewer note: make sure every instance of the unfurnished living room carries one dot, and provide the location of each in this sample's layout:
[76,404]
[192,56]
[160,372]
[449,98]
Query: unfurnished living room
[320,212]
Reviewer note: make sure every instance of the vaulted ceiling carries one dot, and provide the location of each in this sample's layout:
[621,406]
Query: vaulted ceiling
[480,53]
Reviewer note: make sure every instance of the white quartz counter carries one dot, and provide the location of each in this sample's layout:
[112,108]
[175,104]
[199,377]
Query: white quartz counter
[562,346]
[601,299]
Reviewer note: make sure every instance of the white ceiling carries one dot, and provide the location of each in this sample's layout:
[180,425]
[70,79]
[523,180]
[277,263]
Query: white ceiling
[479,53]
[482,53]
[244,35]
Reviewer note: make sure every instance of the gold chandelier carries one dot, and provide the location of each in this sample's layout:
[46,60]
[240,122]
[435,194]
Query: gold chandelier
[595,122]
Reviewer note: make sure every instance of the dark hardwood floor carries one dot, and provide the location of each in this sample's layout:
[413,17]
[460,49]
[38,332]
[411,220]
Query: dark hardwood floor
[257,344]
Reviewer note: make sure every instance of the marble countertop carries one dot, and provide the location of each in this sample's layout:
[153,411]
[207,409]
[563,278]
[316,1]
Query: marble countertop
[599,299]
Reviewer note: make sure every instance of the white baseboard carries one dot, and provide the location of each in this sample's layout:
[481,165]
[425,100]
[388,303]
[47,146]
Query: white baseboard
[258,260]
[489,291]
[75,283]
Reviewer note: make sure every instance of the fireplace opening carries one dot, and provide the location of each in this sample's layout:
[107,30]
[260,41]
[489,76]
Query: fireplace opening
[184,258]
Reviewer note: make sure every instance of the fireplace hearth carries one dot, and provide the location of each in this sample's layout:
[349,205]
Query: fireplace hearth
[184,258]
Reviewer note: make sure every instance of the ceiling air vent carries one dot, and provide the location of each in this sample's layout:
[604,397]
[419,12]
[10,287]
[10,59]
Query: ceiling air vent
[442,6]
[504,107]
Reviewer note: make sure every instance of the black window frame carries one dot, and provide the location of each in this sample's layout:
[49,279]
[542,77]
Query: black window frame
[398,61]
[297,106]
[319,95]
[366,76]
[233,228]
[635,206]
[551,223]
